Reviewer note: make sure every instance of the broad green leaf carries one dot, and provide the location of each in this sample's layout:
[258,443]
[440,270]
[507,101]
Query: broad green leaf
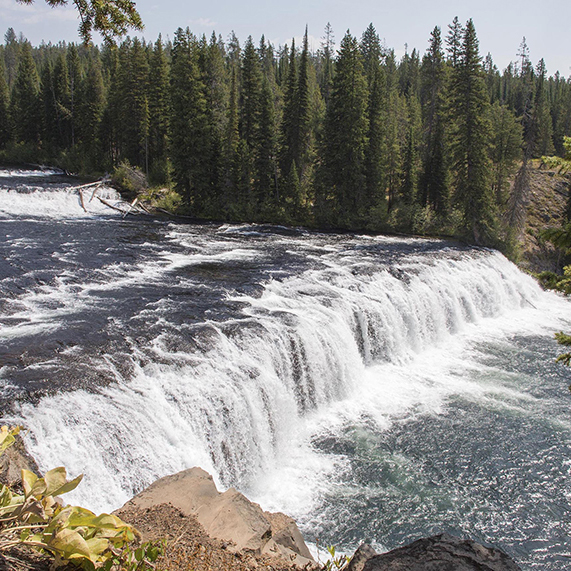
[5,496]
[7,437]
[60,520]
[97,546]
[68,486]
[110,521]
[55,479]
[70,544]
[79,516]
[39,488]
[28,481]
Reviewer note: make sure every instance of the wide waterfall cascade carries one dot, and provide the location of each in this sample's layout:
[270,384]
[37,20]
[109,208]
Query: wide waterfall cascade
[231,395]
[366,385]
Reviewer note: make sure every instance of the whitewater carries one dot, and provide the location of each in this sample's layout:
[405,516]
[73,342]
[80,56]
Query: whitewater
[372,387]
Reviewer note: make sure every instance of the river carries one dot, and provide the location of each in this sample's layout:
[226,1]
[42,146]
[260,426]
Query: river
[374,388]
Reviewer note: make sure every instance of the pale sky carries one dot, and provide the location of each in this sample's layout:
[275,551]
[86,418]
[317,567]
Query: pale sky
[500,24]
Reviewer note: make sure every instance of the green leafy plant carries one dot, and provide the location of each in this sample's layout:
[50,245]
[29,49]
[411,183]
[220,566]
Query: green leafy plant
[335,562]
[37,518]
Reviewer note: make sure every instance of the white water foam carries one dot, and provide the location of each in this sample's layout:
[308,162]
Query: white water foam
[311,353]
[24,173]
[31,201]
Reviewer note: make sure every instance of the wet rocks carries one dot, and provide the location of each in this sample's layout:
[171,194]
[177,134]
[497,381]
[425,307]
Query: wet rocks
[442,553]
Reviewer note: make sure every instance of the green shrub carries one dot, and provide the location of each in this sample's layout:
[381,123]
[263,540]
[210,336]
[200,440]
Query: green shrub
[129,179]
[72,534]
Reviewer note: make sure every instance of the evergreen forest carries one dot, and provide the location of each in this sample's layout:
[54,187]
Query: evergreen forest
[345,137]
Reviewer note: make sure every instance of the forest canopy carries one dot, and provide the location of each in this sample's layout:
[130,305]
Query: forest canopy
[347,138]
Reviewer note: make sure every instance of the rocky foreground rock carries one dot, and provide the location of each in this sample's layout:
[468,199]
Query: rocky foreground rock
[227,516]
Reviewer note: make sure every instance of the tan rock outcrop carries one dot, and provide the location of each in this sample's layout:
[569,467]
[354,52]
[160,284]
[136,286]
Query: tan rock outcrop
[13,460]
[228,516]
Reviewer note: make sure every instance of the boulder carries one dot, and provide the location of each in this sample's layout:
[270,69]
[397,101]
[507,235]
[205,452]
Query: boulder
[286,533]
[360,557]
[13,460]
[227,516]
[442,553]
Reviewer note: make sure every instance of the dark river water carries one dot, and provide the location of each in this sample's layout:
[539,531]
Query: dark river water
[372,387]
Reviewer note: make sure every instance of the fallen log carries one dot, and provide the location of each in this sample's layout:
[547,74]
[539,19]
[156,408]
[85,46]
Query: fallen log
[131,206]
[108,204]
[94,191]
[80,192]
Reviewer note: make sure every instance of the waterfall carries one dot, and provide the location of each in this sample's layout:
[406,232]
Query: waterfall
[237,395]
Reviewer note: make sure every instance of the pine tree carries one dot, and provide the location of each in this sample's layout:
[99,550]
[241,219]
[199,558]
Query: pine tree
[544,130]
[234,51]
[265,161]
[250,93]
[62,99]
[454,41]
[90,110]
[561,111]
[408,186]
[136,105]
[371,51]
[493,80]
[11,56]
[515,213]
[409,71]
[505,149]
[159,101]
[49,124]
[375,152]
[250,98]
[231,145]
[433,184]
[343,161]
[5,127]
[26,109]
[327,71]
[471,134]
[296,123]
[303,110]
[395,130]
[75,72]
[110,127]
[189,126]
[289,118]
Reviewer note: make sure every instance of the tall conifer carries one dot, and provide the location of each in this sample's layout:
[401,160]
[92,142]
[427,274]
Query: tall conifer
[375,151]
[26,104]
[159,101]
[5,128]
[345,135]
[433,184]
[189,126]
[471,138]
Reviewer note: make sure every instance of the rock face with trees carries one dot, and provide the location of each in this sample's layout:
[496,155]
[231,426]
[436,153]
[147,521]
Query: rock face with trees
[352,139]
